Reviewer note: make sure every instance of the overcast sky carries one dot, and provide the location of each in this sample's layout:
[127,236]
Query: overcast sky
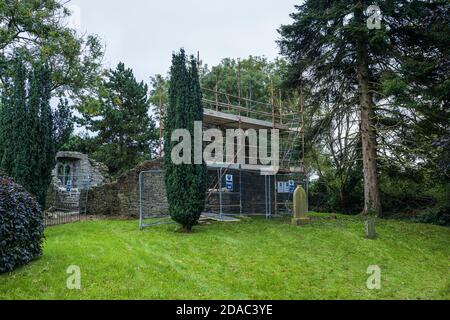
[144,33]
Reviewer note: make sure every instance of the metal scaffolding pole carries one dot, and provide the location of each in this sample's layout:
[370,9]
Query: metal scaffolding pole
[140,202]
[240,190]
[307,193]
[219,183]
[265,194]
[270,196]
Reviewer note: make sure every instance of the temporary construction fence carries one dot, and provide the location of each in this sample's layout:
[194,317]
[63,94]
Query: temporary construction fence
[237,191]
[231,192]
[153,206]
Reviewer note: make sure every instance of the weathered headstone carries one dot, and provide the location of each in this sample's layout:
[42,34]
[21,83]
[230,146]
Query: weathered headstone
[370,228]
[299,207]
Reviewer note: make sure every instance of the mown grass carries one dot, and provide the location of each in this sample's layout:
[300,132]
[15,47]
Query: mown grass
[251,259]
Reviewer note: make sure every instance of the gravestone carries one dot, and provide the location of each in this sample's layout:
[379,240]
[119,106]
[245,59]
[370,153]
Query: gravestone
[370,228]
[299,207]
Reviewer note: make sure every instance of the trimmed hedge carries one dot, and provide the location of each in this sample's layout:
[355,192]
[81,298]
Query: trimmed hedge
[21,225]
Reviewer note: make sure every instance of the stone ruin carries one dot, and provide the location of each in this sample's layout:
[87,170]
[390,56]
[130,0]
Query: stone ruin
[74,172]
[82,185]
[121,197]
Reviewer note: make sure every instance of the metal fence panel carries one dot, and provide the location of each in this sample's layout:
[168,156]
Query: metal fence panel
[230,192]
[152,210]
[64,200]
[248,192]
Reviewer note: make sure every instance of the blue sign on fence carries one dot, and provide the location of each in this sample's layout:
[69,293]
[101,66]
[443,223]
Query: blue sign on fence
[280,187]
[286,186]
[291,186]
[229,181]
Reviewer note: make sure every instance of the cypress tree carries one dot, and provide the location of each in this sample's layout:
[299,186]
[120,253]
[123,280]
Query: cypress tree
[13,119]
[33,140]
[27,143]
[43,148]
[185,183]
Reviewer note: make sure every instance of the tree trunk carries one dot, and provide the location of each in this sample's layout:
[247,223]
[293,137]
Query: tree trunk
[372,204]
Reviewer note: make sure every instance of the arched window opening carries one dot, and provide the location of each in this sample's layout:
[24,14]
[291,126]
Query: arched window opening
[67,174]
[60,172]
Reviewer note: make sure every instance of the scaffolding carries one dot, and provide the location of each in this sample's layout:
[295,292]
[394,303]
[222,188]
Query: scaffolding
[234,189]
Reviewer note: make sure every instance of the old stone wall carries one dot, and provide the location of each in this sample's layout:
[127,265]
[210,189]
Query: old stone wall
[82,173]
[121,197]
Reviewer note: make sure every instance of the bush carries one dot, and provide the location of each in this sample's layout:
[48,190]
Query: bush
[21,225]
[438,215]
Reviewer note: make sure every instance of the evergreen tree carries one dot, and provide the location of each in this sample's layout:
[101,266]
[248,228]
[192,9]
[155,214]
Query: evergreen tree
[333,51]
[158,100]
[185,183]
[13,149]
[43,144]
[27,145]
[126,132]
[63,124]
[259,79]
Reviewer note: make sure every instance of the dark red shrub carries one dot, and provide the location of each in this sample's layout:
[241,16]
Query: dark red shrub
[21,225]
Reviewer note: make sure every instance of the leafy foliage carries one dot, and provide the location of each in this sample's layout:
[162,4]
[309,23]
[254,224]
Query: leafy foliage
[437,215]
[407,61]
[21,225]
[63,123]
[259,78]
[158,99]
[159,95]
[119,116]
[185,183]
[39,29]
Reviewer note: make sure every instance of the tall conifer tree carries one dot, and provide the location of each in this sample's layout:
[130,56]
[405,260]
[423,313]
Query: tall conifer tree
[185,183]
[126,132]
[337,48]
[27,144]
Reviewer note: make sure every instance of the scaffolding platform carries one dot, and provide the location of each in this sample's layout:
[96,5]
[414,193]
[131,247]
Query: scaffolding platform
[236,121]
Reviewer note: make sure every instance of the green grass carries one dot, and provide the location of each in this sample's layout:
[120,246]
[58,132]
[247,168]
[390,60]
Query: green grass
[252,259]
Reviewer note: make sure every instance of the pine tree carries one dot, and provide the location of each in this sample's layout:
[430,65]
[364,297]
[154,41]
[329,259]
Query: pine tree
[185,183]
[333,51]
[126,133]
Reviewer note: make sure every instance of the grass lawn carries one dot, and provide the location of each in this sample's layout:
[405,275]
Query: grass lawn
[251,259]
